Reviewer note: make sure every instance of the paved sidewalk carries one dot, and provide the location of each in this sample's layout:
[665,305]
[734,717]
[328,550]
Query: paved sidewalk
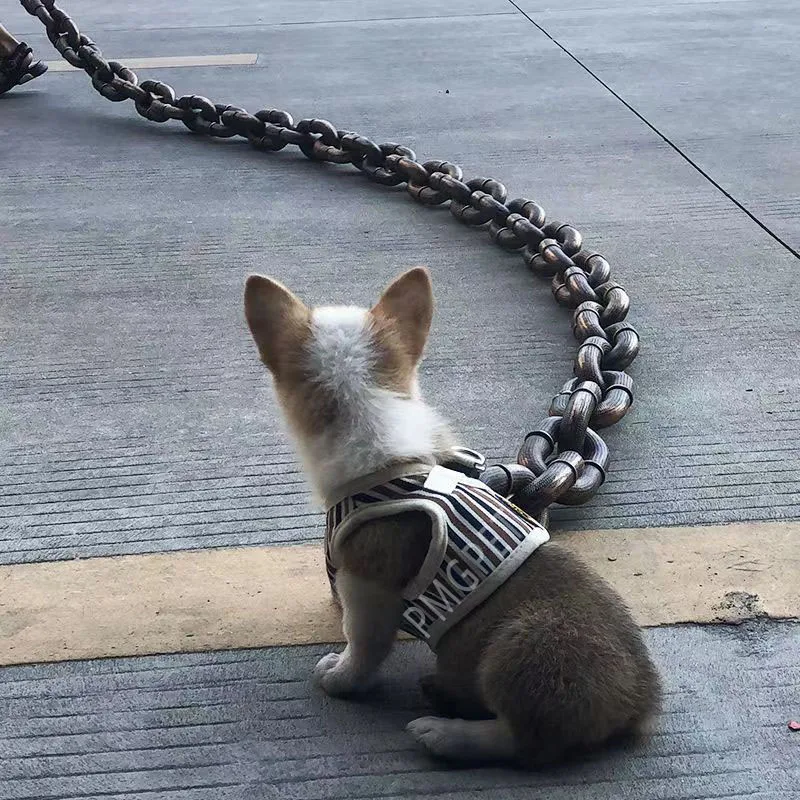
[135,417]
[247,726]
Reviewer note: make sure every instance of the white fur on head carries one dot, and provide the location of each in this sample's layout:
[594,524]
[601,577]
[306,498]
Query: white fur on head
[375,426]
[341,355]
[346,377]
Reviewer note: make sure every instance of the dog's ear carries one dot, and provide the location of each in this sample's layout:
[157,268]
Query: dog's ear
[408,304]
[277,318]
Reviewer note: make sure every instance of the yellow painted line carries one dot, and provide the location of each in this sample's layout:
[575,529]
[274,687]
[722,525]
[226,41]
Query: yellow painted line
[221,60]
[256,597]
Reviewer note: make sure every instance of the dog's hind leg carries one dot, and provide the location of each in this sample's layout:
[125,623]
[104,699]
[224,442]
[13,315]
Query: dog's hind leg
[489,740]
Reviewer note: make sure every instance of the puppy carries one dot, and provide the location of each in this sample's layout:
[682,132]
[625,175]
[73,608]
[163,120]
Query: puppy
[545,662]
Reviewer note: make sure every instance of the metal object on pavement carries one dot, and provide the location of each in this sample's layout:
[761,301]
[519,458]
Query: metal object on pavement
[564,459]
[19,67]
[470,462]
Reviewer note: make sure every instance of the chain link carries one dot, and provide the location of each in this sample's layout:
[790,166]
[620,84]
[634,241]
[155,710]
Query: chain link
[564,459]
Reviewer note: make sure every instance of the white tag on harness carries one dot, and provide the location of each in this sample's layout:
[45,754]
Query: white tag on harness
[443,480]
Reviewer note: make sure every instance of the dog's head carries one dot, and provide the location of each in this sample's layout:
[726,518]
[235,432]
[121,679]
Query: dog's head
[332,365]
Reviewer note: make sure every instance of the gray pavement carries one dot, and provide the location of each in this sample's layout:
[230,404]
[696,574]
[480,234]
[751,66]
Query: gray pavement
[718,79]
[247,726]
[135,416]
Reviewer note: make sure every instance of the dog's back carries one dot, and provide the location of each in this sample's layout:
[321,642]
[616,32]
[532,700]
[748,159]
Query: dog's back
[554,652]
[559,656]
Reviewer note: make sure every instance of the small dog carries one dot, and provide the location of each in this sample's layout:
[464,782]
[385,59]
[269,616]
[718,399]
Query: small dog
[549,662]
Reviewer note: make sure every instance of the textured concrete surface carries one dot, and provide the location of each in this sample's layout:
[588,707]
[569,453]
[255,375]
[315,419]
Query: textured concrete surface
[718,79]
[134,414]
[248,726]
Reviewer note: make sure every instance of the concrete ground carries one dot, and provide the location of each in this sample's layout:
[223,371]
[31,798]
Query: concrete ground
[135,419]
[245,725]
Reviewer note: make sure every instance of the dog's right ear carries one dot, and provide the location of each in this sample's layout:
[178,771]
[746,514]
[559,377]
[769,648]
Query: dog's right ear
[408,303]
[277,318]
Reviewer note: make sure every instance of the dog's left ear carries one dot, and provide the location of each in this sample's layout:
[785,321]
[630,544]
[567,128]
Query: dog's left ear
[408,303]
[277,319]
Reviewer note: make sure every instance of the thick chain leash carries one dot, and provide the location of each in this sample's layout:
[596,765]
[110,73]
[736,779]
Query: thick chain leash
[564,459]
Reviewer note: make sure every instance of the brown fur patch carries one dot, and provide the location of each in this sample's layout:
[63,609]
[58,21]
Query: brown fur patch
[280,324]
[408,304]
[389,551]
[553,651]
[395,367]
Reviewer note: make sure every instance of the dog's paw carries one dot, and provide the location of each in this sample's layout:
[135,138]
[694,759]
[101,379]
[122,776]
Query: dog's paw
[325,665]
[434,734]
[335,676]
[461,740]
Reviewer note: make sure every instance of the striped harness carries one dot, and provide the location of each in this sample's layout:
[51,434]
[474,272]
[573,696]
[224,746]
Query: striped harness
[478,539]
